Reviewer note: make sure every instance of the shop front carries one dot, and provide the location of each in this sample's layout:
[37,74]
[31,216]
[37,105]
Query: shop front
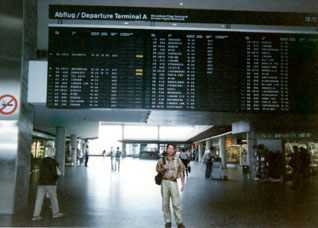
[311,147]
[234,151]
[305,141]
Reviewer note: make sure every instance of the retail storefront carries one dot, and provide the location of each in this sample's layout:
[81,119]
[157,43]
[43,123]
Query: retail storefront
[310,145]
[305,139]
[234,151]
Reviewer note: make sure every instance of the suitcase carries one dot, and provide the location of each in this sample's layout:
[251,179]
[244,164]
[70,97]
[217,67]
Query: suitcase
[217,172]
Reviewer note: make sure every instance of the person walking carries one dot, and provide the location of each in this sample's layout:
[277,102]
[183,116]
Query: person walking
[118,156]
[304,163]
[185,159]
[207,159]
[112,156]
[86,155]
[172,170]
[295,163]
[80,156]
[244,164]
[49,173]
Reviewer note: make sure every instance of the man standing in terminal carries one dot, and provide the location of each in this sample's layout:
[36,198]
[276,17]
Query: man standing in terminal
[172,169]
[118,156]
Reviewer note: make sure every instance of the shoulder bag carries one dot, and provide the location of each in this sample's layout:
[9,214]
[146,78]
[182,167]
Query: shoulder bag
[159,176]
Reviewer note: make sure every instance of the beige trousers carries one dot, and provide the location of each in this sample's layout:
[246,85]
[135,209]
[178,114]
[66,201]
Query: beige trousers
[169,189]
[42,190]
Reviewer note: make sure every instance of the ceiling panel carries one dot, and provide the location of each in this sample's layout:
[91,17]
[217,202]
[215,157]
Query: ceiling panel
[85,122]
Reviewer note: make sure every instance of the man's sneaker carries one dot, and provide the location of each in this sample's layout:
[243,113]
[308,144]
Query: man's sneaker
[36,218]
[57,215]
[181,225]
[168,225]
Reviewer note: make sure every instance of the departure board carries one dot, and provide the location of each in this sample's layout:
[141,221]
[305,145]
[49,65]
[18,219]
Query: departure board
[182,70]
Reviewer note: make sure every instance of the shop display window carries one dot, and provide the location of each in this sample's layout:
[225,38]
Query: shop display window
[37,148]
[233,153]
[312,148]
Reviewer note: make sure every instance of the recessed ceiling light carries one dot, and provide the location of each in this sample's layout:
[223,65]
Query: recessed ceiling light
[181,3]
[126,23]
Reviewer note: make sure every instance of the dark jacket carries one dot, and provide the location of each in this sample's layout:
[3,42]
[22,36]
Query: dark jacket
[48,174]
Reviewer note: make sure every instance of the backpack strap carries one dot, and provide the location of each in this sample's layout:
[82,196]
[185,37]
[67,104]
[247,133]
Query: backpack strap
[176,162]
[163,163]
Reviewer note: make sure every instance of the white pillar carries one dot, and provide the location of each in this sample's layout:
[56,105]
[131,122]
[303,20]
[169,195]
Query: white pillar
[208,144]
[74,149]
[60,147]
[223,150]
[251,143]
[122,138]
[200,151]
[124,149]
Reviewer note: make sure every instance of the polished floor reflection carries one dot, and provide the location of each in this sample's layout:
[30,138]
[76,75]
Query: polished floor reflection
[97,197]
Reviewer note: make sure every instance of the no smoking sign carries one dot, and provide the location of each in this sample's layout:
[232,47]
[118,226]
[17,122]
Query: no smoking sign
[8,104]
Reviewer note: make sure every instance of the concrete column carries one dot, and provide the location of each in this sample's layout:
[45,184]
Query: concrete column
[200,151]
[124,149]
[223,150]
[18,45]
[208,144]
[251,143]
[74,149]
[60,147]
[122,137]
[83,145]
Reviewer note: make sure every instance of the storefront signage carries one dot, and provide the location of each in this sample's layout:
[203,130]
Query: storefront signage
[241,127]
[289,135]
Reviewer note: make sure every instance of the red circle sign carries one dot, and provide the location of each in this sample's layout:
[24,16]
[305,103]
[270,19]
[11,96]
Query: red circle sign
[8,104]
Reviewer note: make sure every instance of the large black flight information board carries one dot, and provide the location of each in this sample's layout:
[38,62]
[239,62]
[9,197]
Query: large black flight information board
[182,70]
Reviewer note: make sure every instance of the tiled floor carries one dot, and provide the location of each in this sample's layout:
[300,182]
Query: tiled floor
[97,197]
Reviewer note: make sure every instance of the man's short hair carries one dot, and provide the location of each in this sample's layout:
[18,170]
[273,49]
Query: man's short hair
[170,144]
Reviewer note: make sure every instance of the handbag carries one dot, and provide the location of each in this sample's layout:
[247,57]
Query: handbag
[159,176]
